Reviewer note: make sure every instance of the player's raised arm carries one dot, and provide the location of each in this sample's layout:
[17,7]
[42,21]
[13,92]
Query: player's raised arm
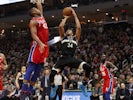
[61,26]
[78,26]
[39,6]
[112,65]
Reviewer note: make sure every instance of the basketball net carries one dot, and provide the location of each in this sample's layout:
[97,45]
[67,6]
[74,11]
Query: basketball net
[34,1]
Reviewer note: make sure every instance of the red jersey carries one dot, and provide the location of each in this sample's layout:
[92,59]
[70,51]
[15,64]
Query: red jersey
[1,60]
[108,84]
[42,29]
[105,72]
[43,34]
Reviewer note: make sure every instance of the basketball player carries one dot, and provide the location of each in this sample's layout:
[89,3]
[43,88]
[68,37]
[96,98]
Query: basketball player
[19,79]
[107,77]
[69,42]
[3,66]
[39,49]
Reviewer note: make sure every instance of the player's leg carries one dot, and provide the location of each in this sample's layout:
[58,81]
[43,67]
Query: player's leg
[53,87]
[106,96]
[104,89]
[83,66]
[31,66]
[110,89]
[25,94]
[54,96]
[30,69]
[107,88]
[87,70]
[59,66]
[34,77]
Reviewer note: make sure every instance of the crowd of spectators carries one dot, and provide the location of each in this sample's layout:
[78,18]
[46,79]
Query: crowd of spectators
[48,5]
[116,40]
[63,3]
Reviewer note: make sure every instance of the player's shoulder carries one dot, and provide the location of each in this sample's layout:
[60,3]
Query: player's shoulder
[32,23]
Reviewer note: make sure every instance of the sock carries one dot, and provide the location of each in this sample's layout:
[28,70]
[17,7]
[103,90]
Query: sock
[24,87]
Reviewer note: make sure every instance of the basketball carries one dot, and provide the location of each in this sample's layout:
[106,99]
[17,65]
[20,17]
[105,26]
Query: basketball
[67,11]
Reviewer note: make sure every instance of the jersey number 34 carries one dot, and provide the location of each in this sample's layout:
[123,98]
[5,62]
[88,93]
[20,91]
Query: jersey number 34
[70,45]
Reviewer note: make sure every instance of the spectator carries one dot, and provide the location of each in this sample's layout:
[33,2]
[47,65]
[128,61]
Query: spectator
[96,92]
[95,80]
[45,84]
[72,83]
[4,92]
[122,93]
[130,87]
[19,80]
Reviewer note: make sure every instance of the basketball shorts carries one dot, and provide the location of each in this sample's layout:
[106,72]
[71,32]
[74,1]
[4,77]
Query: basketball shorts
[108,85]
[36,56]
[70,61]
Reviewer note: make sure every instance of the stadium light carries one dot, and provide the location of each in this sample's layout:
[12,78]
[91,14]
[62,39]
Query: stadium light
[3,2]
